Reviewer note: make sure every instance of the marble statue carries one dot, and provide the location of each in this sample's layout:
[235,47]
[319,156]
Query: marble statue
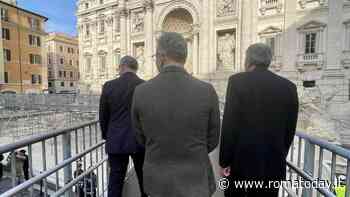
[140,56]
[226,50]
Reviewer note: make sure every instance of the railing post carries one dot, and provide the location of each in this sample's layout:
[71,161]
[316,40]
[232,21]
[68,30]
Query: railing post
[309,167]
[67,153]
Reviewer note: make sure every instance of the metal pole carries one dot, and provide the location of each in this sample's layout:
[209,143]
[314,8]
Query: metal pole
[67,153]
[309,159]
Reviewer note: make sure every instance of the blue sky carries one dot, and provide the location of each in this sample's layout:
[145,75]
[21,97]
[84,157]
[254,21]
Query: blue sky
[61,13]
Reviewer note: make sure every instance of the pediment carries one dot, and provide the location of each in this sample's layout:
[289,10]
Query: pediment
[270,30]
[312,25]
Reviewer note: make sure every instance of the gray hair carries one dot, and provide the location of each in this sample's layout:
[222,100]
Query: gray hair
[173,45]
[259,55]
[129,62]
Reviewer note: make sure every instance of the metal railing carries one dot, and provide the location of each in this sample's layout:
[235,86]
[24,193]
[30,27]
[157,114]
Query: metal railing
[314,160]
[52,170]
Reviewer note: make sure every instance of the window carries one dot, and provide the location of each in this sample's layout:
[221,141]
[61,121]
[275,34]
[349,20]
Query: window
[50,84]
[61,61]
[271,42]
[86,5]
[50,60]
[6,77]
[310,43]
[60,73]
[34,79]
[102,63]
[71,84]
[39,79]
[88,64]
[34,59]
[87,30]
[61,48]
[62,83]
[4,14]
[34,23]
[71,74]
[50,74]
[5,34]
[7,55]
[34,41]
[102,27]
[64,74]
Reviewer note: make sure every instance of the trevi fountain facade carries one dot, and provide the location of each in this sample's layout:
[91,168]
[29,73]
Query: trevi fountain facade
[310,40]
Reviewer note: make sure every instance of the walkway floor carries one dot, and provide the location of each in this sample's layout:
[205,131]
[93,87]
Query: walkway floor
[131,185]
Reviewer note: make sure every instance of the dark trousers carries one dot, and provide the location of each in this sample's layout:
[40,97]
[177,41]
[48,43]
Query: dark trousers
[119,164]
[235,191]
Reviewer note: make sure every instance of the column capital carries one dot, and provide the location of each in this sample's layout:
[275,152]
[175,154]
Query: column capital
[148,4]
[123,12]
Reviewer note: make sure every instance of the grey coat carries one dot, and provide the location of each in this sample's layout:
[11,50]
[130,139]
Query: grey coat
[177,118]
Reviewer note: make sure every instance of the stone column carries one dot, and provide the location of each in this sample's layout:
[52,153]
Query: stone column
[333,43]
[149,63]
[195,52]
[205,41]
[123,29]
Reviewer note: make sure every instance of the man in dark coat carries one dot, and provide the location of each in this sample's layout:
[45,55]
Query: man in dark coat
[115,121]
[177,117]
[258,127]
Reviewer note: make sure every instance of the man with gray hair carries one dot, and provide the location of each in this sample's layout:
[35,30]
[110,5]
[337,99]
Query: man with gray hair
[115,121]
[177,118]
[258,127]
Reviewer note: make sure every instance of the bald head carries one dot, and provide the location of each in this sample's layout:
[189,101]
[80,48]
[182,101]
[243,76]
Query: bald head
[258,55]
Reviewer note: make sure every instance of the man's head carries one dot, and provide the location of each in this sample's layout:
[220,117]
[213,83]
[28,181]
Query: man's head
[171,50]
[128,64]
[258,55]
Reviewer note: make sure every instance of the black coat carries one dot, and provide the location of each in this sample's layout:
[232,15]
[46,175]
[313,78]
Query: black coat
[259,124]
[115,116]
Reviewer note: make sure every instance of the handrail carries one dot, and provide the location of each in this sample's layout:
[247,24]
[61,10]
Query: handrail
[47,173]
[41,137]
[326,145]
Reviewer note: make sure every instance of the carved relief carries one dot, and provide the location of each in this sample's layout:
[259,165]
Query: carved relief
[226,49]
[109,20]
[226,7]
[138,22]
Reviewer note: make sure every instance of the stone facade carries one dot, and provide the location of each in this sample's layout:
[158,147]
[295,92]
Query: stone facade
[310,38]
[62,63]
[24,69]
